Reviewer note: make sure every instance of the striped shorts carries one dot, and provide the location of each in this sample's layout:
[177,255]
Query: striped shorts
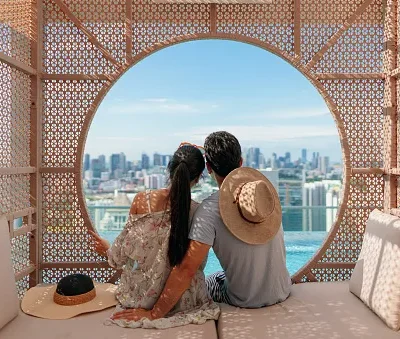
[216,287]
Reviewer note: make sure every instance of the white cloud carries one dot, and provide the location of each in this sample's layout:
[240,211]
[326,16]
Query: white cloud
[157,106]
[270,133]
[286,115]
[156,100]
[121,138]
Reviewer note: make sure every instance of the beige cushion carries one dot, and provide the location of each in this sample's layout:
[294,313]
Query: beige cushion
[9,304]
[91,326]
[376,277]
[314,310]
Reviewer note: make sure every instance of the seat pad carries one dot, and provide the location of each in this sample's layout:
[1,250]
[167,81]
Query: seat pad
[91,326]
[314,310]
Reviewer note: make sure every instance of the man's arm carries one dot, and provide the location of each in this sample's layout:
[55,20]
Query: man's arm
[178,282]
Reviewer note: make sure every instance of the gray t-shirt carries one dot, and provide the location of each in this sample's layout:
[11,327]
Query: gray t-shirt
[256,275]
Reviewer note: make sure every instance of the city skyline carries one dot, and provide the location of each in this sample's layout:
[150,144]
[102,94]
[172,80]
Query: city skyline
[190,90]
[252,158]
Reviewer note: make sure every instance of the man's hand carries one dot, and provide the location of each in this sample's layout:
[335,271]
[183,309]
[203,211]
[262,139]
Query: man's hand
[101,245]
[134,314]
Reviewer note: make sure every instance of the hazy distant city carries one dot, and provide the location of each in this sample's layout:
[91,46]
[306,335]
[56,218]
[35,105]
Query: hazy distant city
[309,187]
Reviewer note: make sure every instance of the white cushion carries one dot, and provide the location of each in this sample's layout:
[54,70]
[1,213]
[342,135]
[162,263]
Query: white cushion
[313,310]
[91,325]
[9,304]
[376,277]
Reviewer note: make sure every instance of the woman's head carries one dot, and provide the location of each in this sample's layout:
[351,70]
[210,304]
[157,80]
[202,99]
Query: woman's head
[188,158]
[185,169]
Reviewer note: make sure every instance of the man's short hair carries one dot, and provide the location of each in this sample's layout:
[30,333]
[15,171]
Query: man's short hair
[223,152]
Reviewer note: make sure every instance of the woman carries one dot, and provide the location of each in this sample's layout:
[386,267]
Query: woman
[154,240]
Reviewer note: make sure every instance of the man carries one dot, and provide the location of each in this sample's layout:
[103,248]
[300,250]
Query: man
[246,235]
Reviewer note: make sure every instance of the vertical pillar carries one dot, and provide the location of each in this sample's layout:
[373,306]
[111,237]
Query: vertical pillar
[36,138]
[390,105]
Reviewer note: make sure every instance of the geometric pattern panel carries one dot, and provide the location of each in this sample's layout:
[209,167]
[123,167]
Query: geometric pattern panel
[272,23]
[359,103]
[65,236]
[66,104]
[366,194]
[14,193]
[332,274]
[154,23]
[91,38]
[15,29]
[100,274]
[22,286]
[359,49]
[105,19]
[20,252]
[14,117]
[320,20]
[68,50]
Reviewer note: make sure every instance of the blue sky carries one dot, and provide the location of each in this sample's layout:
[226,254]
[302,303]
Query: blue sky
[185,92]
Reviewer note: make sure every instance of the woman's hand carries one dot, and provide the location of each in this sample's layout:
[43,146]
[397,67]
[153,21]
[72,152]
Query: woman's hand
[133,314]
[101,245]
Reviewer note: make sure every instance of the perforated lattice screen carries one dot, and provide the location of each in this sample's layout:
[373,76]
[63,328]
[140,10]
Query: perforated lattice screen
[57,63]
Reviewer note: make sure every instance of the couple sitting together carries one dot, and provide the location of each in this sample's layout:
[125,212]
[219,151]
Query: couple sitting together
[164,246]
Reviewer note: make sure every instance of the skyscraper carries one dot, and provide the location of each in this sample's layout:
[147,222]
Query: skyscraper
[274,161]
[145,161]
[118,162]
[96,168]
[86,162]
[304,156]
[122,162]
[287,159]
[314,195]
[166,159]
[157,159]
[323,165]
[114,163]
[102,160]
[252,159]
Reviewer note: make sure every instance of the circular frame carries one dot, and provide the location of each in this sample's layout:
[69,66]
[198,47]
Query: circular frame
[293,61]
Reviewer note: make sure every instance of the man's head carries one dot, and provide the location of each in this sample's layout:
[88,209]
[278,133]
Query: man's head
[223,153]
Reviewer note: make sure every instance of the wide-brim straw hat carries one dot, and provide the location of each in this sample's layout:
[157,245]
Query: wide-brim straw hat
[39,302]
[250,206]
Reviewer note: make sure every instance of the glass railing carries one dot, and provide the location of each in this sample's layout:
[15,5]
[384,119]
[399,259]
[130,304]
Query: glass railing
[305,229]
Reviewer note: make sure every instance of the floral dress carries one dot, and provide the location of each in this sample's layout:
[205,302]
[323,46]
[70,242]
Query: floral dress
[141,250]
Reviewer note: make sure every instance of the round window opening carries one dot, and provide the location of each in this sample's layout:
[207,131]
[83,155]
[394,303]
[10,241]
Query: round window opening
[185,92]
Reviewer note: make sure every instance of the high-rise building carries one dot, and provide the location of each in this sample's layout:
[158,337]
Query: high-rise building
[96,168]
[166,159]
[145,161]
[332,203]
[86,163]
[304,156]
[102,160]
[323,165]
[287,159]
[314,195]
[261,162]
[252,158]
[274,161]
[157,159]
[154,181]
[118,162]
[114,163]
[122,162]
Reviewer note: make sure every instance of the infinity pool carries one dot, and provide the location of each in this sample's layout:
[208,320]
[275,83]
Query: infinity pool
[300,247]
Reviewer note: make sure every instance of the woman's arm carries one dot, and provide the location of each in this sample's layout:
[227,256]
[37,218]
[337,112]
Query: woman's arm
[117,257]
[178,282]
